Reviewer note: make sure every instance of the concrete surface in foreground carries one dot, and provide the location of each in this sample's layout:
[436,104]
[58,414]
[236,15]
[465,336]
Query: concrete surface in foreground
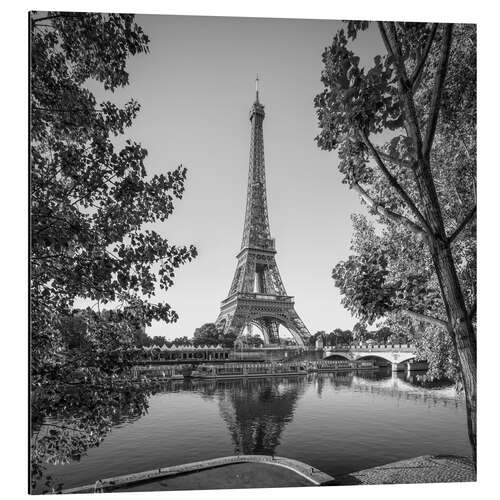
[424,469]
[263,471]
[214,470]
[243,475]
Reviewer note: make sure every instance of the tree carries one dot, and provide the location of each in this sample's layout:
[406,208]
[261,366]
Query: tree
[207,334]
[141,338]
[159,340]
[339,336]
[254,340]
[178,341]
[90,199]
[383,335]
[312,340]
[360,332]
[419,100]
[408,284]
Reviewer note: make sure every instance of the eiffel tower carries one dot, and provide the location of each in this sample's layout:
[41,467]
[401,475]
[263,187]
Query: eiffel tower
[257,295]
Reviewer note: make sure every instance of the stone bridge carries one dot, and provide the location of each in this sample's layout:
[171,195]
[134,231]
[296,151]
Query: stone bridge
[396,354]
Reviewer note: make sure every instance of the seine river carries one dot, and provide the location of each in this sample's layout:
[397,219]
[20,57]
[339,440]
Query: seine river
[336,422]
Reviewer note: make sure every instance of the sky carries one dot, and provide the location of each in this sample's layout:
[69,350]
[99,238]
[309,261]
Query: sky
[196,87]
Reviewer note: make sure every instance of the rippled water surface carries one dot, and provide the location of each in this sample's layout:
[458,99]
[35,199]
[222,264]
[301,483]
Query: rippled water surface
[335,422]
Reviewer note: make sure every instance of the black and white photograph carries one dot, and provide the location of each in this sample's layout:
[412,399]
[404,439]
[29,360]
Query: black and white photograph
[252,252]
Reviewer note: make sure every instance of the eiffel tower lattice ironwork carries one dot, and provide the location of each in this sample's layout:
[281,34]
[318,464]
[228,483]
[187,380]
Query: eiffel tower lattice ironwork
[257,295]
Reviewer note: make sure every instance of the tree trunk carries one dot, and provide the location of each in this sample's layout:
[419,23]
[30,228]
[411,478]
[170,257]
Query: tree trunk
[461,331]
[460,327]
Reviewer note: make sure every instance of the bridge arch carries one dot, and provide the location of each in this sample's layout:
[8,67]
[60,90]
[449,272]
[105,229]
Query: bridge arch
[393,354]
[389,357]
[338,355]
[381,356]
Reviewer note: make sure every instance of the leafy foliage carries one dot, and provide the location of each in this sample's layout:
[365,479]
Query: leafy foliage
[339,336]
[160,340]
[390,270]
[404,280]
[90,200]
[315,337]
[209,334]
[254,340]
[405,135]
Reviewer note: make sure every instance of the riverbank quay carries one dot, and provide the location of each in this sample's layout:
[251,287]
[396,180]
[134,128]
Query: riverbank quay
[236,471]
[247,369]
[264,471]
[423,469]
[203,353]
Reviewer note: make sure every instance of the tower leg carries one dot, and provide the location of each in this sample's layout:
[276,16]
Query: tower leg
[232,322]
[270,330]
[274,332]
[297,328]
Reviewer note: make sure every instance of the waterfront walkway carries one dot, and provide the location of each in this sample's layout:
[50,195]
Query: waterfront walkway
[263,471]
[233,476]
[262,468]
[424,469]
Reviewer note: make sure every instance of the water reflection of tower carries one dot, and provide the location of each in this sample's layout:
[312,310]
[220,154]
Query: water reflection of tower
[256,412]
[319,385]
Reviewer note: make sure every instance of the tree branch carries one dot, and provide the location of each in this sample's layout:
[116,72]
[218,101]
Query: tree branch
[68,110]
[67,195]
[414,228]
[63,14]
[461,226]
[405,91]
[45,26]
[426,317]
[472,310]
[394,183]
[63,427]
[415,78]
[398,59]
[438,90]
[385,39]
[397,161]
[50,256]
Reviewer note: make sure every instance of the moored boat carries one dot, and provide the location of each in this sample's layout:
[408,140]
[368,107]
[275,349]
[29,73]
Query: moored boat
[237,370]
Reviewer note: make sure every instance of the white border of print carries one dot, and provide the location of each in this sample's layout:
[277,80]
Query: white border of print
[15,236]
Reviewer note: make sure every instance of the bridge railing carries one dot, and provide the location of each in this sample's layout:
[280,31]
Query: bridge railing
[369,347]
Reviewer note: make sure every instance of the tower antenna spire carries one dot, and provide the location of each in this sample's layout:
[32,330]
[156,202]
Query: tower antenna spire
[257,87]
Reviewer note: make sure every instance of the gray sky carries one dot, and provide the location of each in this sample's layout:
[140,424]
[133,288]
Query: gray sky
[196,87]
